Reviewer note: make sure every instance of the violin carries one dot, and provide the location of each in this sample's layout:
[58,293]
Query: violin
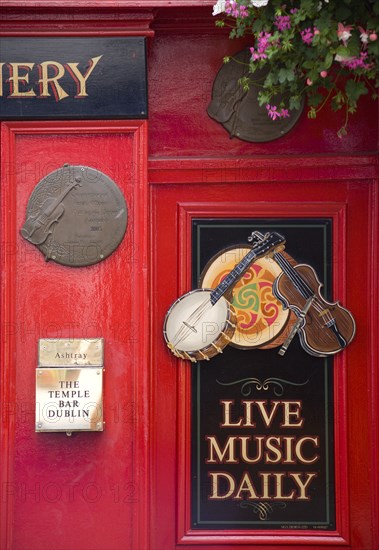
[324,328]
[39,226]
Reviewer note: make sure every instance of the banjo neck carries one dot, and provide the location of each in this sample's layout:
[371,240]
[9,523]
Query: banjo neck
[269,242]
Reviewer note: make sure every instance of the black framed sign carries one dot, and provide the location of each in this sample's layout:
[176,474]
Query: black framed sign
[73,78]
[262,431]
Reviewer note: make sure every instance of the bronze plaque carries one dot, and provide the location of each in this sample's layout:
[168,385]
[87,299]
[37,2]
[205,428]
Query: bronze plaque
[238,110]
[76,216]
[65,352]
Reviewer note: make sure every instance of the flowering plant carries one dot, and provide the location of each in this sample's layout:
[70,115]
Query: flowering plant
[324,50]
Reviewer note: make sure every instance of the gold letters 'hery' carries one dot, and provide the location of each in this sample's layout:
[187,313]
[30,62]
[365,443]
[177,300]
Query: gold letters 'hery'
[76,216]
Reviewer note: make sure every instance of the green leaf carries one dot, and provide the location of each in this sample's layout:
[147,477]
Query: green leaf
[315,99]
[373,48]
[295,103]
[343,51]
[354,90]
[257,26]
[308,64]
[343,13]
[328,61]
[263,98]
[354,44]
[312,113]
[285,75]
[245,83]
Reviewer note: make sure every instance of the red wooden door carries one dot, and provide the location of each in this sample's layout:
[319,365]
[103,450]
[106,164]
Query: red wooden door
[302,189]
[88,490]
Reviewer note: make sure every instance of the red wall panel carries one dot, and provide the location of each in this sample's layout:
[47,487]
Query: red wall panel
[88,490]
[352,203]
[182,68]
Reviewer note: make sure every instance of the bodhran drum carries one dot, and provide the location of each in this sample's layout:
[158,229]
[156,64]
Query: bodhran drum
[261,320]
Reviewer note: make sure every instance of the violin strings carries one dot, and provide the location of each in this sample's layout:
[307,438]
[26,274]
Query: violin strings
[302,287]
[289,270]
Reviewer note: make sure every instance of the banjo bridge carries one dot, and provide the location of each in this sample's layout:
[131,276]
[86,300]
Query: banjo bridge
[189,326]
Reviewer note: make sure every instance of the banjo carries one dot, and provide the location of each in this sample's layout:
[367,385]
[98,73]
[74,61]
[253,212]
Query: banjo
[202,322]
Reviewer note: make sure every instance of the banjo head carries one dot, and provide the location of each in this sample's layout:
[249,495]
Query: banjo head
[261,319]
[195,327]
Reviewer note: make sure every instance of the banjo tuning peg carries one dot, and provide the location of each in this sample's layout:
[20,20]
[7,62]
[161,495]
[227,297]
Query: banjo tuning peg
[256,236]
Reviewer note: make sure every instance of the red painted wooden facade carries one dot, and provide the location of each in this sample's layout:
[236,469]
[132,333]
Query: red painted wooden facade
[129,487]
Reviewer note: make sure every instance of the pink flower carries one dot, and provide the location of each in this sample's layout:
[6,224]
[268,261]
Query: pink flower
[344,33]
[263,43]
[324,74]
[307,35]
[235,10]
[284,113]
[355,62]
[282,22]
[273,112]
[309,82]
[373,36]
[363,37]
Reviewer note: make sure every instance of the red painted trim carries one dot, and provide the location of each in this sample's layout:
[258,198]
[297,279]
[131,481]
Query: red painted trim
[260,169]
[117,20]
[7,388]
[23,30]
[10,131]
[83,21]
[186,212]
[372,271]
[131,25]
[32,4]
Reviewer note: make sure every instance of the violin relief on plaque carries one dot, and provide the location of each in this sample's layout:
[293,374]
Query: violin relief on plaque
[76,216]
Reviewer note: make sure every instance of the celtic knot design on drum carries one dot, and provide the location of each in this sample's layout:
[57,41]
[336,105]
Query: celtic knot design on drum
[260,315]
[253,299]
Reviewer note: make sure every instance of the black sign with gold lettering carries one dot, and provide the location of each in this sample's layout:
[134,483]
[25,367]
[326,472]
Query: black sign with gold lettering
[262,433]
[73,78]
